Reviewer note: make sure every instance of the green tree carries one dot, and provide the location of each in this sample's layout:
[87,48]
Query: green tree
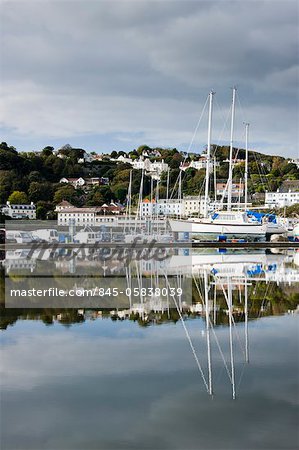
[119,192]
[134,154]
[47,151]
[40,191]
[65,193]
[44,210]
[34,176]
[18,198]
[113,154]
[6,182]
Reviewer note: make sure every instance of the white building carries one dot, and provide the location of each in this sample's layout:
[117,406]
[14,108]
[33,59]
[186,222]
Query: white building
[281,199]
[154,169]
[235,161]
[87,158]
[162,207]
[19,211]
[77,216]
[153,153]
[92,216]
[294,161]
[192,205]
[85,182]
[187,206]
[76,182]
[141,164]
[158,167]
[200,164]
[122,159]
[95,217]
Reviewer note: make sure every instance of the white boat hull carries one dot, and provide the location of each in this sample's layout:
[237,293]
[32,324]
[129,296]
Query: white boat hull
[210,228]
[227,229]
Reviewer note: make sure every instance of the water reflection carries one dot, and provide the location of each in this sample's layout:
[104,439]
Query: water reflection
[159,371]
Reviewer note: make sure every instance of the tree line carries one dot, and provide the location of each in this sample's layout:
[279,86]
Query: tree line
[34,177]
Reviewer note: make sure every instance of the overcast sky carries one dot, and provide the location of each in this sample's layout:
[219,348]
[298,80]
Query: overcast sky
[114,75]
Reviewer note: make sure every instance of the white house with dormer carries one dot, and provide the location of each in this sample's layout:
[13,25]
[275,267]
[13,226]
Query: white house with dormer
[19,211]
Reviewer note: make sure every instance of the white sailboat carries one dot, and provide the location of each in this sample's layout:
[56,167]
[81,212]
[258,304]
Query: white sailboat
[227,222]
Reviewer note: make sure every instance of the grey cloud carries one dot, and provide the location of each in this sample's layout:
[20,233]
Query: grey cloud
[151,54]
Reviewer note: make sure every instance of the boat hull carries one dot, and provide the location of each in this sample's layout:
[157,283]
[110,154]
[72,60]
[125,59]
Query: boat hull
[207,230]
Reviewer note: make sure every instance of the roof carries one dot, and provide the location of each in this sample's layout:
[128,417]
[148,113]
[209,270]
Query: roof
[92,209]
[111,207]
[289,185]
[20,206]
[146,200]
[65,203]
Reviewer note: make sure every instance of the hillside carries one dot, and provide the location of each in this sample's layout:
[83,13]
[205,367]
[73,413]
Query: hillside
[35,176]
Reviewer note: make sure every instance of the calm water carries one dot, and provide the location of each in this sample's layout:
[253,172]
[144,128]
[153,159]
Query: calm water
[88,380]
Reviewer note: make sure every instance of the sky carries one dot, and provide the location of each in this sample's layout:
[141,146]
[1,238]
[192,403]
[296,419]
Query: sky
[114,75]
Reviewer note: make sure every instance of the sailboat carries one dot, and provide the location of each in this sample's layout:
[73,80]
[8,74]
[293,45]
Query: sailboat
[237,224]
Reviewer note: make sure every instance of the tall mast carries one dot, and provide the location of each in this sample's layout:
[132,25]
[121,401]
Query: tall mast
[167,185]
[130,198]
[180,194]
[138,215]
[230,173]
[215,181]
[246,164]
[208,154]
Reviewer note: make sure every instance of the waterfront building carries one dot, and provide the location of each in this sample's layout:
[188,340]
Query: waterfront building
[90,216]
[187,206]
[19,211]
[280,199]
[162,207]
[78,216]
[191,204]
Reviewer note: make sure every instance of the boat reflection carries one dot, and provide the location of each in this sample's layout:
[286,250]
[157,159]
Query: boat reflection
[221,288]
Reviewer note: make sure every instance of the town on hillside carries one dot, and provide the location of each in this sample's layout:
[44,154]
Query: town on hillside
[71,182]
